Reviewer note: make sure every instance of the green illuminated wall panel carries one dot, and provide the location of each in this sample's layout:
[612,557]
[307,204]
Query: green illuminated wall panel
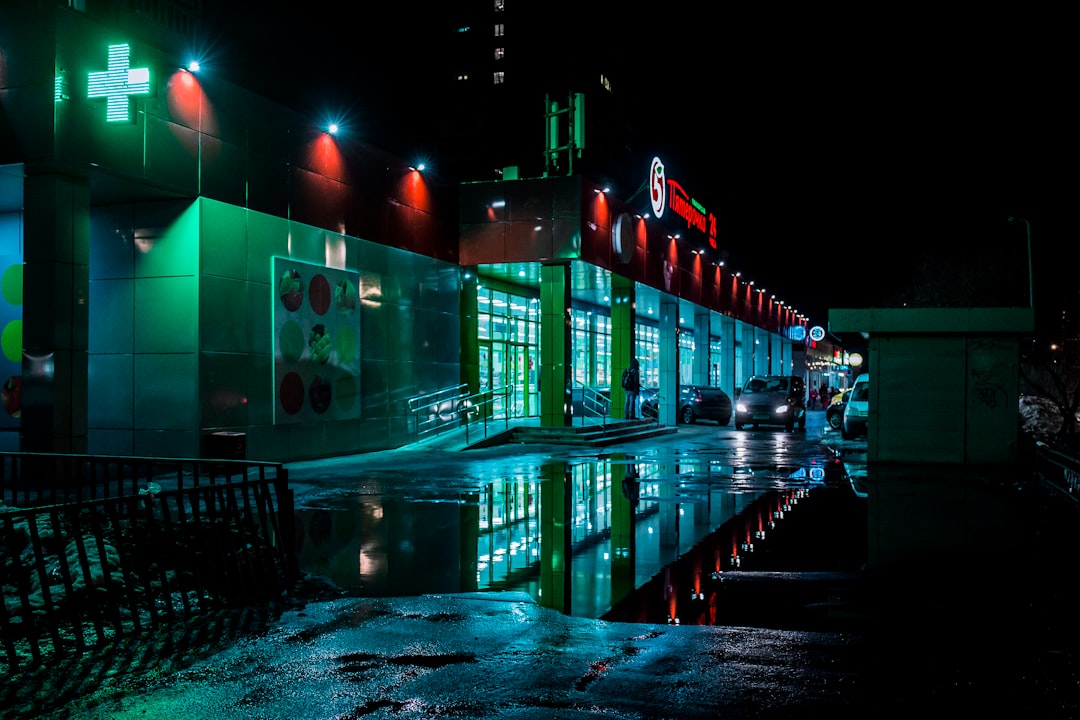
[166,315]
[267,237]
[223,249]
[166,245]
[307,244]
[183,318]
[260,318]
[224,315]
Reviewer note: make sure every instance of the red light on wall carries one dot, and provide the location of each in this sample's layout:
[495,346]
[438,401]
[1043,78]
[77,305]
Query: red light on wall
[190,108]
[324,157]
[415,192]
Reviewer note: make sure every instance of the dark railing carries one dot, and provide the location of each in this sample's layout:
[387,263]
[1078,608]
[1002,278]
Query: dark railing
[595,406]
[434,412]
[453,408]
[1058,470]
[481,411]
[96,548]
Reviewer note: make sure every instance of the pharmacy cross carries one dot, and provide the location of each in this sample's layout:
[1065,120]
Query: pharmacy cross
[118,84]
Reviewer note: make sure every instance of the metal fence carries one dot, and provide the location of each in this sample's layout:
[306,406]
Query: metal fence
[1059,471]
[95,548]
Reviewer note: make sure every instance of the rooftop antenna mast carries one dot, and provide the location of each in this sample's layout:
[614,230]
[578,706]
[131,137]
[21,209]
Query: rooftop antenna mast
[574,114]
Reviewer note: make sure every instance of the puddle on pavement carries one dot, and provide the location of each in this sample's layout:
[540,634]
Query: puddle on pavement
[691,542]
[585,536]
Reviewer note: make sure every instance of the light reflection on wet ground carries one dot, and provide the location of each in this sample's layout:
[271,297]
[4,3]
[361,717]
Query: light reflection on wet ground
[583,530]
[710,526]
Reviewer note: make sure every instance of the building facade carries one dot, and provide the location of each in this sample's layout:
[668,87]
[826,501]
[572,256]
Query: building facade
[184,259]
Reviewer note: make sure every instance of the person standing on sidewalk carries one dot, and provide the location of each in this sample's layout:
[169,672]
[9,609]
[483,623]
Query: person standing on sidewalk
[631,383]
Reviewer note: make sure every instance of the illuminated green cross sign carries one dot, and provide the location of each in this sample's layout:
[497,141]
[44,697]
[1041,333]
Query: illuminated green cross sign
[118,84]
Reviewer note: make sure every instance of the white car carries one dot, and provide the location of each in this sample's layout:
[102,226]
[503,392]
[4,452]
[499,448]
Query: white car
[857,410]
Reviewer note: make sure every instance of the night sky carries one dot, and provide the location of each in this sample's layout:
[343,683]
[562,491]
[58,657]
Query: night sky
[843,163]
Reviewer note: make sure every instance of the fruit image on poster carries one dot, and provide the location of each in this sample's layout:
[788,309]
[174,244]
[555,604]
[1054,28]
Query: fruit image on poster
[316,342]
[11,345]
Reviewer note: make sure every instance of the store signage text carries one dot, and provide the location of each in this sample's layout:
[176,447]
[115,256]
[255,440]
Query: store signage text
[666,193]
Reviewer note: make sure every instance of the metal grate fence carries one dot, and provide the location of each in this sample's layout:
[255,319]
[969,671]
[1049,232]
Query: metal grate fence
[97,548]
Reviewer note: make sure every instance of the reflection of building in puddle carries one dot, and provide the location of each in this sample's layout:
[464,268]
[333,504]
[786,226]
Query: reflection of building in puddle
[759,561]
[382,547]
[573,535]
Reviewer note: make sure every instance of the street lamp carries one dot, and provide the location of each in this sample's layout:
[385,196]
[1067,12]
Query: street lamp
[1031,282]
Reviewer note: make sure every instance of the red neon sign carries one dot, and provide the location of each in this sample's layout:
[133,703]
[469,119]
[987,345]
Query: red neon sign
[666,193]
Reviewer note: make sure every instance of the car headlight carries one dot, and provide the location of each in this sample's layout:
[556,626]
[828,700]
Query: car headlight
[740,407]
[781,410]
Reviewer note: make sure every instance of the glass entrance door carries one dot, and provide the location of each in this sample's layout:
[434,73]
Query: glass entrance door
[503,364]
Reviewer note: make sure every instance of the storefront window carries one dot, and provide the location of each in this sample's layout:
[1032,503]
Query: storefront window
[508,332]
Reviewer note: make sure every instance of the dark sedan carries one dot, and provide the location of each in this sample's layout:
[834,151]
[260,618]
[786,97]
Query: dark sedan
[696,402]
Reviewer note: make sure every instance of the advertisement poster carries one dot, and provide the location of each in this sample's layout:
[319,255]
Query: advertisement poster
[316,342]
[11,297]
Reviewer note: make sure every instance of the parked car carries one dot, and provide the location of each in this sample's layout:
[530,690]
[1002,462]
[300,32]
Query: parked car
[834,414]
[857,409]
[696,402]
[771,400]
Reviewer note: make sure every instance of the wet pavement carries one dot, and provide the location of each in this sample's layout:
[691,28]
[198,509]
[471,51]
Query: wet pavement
[803,586]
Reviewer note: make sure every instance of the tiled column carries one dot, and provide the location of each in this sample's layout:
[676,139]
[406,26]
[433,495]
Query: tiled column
[760,343]
[669,358]
[780,365]
[751,358]
[701,346]
[727,360]
[56,283]
[623,309]
[470,329]
[556,371]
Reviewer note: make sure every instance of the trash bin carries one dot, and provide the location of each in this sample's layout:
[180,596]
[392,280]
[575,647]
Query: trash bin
[227,446]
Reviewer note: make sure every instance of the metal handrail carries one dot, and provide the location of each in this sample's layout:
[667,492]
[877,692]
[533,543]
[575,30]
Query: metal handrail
[594,404]
[436,411]
[479,408]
